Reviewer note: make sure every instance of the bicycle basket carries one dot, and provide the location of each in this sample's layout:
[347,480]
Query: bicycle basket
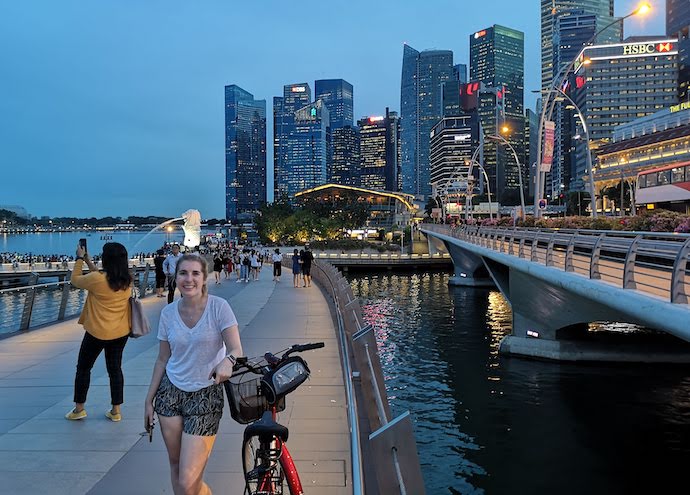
[283,380]
[247,403]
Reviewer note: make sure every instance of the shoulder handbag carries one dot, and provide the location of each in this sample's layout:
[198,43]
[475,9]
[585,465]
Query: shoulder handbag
[139,323]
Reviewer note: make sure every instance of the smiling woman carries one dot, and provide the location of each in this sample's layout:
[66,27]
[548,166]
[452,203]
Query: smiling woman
[199,342]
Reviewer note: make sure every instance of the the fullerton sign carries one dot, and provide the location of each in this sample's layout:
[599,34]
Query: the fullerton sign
[647,48]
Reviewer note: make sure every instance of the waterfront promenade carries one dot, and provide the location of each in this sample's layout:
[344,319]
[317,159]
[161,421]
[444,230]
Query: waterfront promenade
[41,452]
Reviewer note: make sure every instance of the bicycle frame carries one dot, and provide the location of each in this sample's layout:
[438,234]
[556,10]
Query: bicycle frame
[286,463]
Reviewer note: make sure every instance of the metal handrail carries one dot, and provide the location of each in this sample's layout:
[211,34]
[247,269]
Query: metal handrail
[357,468]
[666,254]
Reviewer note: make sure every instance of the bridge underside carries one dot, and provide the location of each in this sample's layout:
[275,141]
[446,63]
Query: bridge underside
[550,320]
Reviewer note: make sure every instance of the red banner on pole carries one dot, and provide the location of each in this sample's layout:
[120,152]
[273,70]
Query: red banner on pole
[547,156]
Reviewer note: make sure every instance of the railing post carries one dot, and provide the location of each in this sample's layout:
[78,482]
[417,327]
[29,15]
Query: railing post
[521,249]
[28,303]
[145,283]
[65,296]
[596,256]
[569,253]
[549,250]
[629,266]
[678,294]
[535,245]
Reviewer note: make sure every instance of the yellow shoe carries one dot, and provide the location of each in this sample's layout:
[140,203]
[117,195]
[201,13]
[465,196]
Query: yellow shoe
[113,417]
[74,415]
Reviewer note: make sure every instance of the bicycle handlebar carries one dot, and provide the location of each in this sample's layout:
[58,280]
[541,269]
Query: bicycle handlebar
[243,362]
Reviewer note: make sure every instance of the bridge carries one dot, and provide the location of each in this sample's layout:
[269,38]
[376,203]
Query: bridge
[558,281]
[386,260]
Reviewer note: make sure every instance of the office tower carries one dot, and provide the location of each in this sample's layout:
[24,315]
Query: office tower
[572,29]
[615,84]
[295,96]
[678,24]
[379,150]
[245,153]
[453,141]
[421,107]
[346,157]
[497,62]
[531,138]
[337,94]
[460,73]
[602,9]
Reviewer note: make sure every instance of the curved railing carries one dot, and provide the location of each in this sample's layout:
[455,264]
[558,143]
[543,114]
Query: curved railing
[652,262]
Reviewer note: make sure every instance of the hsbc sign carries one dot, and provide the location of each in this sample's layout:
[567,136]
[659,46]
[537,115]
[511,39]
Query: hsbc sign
[648,48]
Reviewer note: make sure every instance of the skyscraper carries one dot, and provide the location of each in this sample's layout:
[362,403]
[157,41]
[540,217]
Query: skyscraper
[337,94]
[245,153]
[295,96]
[421,107]
[497,62]
[379,151]
[678,24]
[602,9]
[346,157]
[572,29]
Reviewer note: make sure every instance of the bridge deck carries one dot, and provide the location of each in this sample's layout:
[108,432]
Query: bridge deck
[41,452]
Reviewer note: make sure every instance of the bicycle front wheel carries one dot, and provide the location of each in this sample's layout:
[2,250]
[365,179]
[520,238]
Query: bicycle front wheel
[263,474]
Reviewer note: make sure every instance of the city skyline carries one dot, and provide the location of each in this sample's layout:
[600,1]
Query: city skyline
[138,104]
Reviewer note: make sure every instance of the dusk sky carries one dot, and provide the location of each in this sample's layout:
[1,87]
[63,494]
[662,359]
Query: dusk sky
[116,107]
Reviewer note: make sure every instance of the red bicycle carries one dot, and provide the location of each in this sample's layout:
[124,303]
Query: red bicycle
[256,394]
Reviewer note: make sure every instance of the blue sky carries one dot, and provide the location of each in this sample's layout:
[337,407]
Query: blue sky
[116,107]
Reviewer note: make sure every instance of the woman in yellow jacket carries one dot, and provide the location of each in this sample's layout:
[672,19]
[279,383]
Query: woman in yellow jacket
[106,319]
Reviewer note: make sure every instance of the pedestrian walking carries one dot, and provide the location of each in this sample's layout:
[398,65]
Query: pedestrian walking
[307,258]
[277,264]
[296,268]
[169,268]
[106,320]
[199,343]
[217,267]
[160,273]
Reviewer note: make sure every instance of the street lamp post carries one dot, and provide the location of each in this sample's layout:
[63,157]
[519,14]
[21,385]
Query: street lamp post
[549,103]
[510,146]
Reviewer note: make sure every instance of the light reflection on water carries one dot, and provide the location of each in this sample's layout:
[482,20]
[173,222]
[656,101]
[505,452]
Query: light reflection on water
[490,424]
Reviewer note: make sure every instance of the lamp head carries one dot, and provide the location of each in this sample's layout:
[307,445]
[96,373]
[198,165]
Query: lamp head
[505,129]
[643,9]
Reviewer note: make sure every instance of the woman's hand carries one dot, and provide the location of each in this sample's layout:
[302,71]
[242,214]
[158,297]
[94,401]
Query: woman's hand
[221,372]
[81,252]
[148,415]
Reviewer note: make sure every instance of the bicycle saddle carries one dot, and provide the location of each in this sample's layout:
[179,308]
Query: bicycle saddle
[266,427]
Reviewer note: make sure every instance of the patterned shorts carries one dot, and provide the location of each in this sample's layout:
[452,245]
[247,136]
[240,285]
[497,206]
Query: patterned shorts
[201,410]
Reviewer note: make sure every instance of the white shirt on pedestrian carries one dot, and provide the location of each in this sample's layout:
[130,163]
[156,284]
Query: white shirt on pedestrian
[170,264]
[277,257]
[195,351]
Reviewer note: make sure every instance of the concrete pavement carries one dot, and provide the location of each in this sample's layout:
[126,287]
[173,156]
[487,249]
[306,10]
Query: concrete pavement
[41,452]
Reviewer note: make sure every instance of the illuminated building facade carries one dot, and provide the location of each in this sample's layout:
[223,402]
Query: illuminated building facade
[379,151]
[497,61]
[295,96]
[453,140]
[421,107]
[618,83]
[245,153]
[658,140]
[386,209]
[346,157]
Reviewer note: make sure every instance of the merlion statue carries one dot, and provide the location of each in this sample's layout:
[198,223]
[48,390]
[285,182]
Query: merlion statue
[192,228]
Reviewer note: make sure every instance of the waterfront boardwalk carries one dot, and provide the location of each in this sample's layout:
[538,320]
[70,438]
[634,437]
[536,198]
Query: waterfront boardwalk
[41,452]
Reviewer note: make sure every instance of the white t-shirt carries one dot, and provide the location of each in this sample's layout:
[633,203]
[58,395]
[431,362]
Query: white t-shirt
[277,257]
[195,351]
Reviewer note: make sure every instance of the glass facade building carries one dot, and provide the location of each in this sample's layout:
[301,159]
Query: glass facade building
[337,94]
[550,9]
[245,153]
[295,96]
[497,62]
[453,141]
[620,83]
[346,157]
[380,152]
[421,107]
[678,24]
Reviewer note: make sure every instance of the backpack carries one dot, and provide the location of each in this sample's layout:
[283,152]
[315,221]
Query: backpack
[245,261]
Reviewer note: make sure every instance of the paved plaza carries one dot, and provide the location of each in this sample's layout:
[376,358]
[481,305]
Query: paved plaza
[41,452]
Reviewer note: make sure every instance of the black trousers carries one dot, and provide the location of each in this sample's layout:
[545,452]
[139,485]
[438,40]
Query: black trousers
[172,285]
[277,268]
[91,348]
